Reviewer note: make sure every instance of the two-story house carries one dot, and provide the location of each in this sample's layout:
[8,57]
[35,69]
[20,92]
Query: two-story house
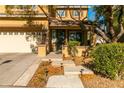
[20,30]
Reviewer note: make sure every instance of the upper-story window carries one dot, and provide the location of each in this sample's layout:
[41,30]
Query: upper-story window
[61,13]
[75,13]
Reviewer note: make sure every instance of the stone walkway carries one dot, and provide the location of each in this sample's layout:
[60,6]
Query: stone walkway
[53,57]
[70,79]
[64,81]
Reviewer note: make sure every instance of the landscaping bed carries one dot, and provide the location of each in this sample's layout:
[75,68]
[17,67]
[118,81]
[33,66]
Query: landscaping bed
[77,60]
[39,79]
[97,81]
[67,58]
[81,60]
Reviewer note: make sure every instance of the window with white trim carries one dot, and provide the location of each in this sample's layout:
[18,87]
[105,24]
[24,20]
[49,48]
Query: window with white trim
[61,13]
[75,13]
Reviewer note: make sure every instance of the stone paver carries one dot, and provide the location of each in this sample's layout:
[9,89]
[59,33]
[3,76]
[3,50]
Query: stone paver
[56,63]
[75,70]
[64,81]
[68,63]
[65,63]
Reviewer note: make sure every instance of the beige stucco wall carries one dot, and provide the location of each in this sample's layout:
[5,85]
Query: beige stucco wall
[18,23]
[80,49]
[45,7]
[2,8]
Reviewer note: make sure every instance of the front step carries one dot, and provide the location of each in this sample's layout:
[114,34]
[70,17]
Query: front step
[52,59]
[64,81]
[69,63]
[64,63]
[75,70]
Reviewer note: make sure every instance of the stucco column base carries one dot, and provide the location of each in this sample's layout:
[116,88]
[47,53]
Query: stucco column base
[42,50]
[65,51]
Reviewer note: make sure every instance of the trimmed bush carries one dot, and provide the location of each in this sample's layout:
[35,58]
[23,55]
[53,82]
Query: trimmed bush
[72,50]
[108,59]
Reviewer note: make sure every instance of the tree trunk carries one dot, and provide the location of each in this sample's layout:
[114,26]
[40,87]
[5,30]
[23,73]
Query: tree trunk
[116,38]
[110,21]
[103,35]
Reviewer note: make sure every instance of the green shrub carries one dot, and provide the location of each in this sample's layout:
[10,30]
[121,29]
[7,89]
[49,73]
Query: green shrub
[72,50]
[108,59]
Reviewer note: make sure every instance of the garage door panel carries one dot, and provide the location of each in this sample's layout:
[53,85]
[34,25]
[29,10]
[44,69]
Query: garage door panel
[15,42]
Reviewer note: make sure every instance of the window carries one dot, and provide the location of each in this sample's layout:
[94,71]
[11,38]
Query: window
[10,33]
[4,33]
[61,13]
[75,35]
[21,33]
[75,13]
[15,33]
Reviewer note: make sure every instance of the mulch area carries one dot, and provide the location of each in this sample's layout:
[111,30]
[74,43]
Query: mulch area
[97,81]
[39,80]
[82,61]
[77,60]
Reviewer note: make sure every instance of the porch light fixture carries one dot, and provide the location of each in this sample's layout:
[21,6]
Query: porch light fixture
[61,65]
[46,72]
[50,61]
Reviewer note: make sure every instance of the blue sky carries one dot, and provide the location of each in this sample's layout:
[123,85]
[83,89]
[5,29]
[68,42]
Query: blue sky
[91,13]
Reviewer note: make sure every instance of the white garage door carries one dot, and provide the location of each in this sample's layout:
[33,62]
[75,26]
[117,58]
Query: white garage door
[15,42]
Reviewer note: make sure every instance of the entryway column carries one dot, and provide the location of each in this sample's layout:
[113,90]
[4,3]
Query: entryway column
[85,37]
[66,37]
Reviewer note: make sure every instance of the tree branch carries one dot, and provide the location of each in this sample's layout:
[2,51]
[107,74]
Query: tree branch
[71,14]
[120,34]
[85,16]
[43,11]
[103,35]
[110,20]
[59,15]
[120,24]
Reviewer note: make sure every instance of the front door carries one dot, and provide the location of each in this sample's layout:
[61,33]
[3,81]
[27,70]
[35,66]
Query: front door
[60,39]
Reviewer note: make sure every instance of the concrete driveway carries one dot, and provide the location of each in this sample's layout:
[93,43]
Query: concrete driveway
[13,66]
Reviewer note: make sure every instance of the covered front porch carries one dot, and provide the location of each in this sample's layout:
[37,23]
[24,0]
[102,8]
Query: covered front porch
[59,36]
